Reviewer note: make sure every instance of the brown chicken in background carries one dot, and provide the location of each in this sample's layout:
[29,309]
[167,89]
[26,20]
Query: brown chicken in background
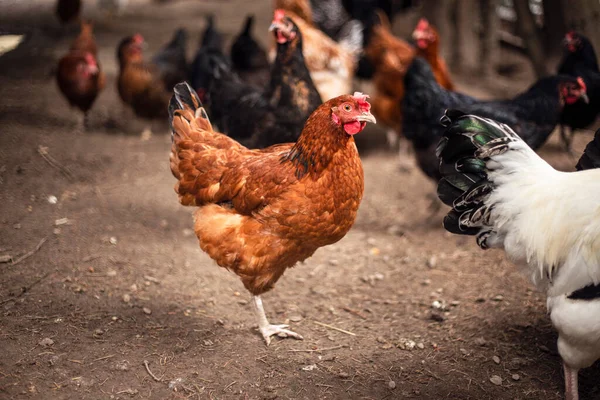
[68,10]
[78,74]
[85,41]
[427,41]
[331,64]
[262,211]
[139,83]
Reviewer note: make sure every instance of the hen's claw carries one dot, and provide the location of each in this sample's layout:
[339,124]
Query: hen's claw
[279,330]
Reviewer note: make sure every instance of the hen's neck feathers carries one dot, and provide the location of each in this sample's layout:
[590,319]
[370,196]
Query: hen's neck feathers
[320,141]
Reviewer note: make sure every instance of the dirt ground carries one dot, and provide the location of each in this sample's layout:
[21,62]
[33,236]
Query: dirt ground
[115,277]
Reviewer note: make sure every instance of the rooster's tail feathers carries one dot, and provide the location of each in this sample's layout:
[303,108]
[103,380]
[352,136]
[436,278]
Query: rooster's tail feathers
[186,104]
[468,143]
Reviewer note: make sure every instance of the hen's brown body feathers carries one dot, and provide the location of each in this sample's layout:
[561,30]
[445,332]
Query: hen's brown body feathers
[262,211]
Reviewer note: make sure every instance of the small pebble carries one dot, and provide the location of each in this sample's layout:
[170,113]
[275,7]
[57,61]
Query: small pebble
[111,273]
[420,346]
[426,282]
[188,232]
[334,262]
[126,298]
[296,318]
[432,262]
[480,341]
[52,199]
[146,310]
[343,375]
[98,332]
[496,380]
[455,303]
[381,339]
[387,346]
[515,377]
[46,342]
[463,351]
[112,240]
[496,359]
[436,304]
[498,298]
[392,385]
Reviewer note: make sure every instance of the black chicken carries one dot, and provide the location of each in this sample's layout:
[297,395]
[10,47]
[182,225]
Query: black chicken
[259,118]
[171,60]
[249,59]
[533,114]
[211,46]
[580,60]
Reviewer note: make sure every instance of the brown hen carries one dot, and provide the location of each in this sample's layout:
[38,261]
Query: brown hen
[261,211]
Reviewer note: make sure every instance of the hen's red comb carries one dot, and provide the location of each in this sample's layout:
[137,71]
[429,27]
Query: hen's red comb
[90,60]
[361,99]
[581,83]
[278,15]
[422,25]
[138,38]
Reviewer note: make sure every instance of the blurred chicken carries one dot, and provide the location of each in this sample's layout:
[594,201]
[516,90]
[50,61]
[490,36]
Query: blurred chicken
[331,64]
[140,84]
[260,117]
[427,40]
[78,74]
[259,212]
[249,59]
[171,60]
[211,46]
[533,114]
[547,222]
[580,60]
[68,11]
[86,42]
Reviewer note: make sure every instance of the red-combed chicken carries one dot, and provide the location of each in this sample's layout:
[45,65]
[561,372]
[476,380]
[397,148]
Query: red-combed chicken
[546,220]
[139,83]
[427,40]
[331,64]
[78,74]
[261,211]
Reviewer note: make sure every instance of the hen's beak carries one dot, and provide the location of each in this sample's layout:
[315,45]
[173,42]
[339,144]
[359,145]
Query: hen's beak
[585,98]
[366,117]
[93,69]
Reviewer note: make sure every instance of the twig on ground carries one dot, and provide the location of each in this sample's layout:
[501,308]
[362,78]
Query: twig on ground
[103,358]
[26,288]
[30,253]
[150,372]
[335,328]
[43,151]
[354,312]
[317,350]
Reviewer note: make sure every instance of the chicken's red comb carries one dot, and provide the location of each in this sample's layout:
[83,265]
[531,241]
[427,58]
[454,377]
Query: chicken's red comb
[278,15]
[361,99]
[90,60]
[581,83]
[422,25]
[137,38]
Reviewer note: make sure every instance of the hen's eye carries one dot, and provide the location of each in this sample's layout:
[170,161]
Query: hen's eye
[347,107]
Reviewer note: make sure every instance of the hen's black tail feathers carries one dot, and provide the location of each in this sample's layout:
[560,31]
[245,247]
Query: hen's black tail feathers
[185,98]
[247,31]
[591,155]
[468,142]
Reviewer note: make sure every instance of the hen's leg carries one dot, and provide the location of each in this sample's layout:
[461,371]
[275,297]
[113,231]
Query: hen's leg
[571,389]
[266,329]
[405,155]
[566,135]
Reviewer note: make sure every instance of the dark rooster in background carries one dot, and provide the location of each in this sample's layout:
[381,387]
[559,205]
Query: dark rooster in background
[211,47]
[580,60]
[171,60]
[249,59]
[547,221]
[533,114]
[78,75]
[277,114]
[260,212]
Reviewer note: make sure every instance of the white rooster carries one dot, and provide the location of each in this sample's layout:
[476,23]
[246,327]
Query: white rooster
[545,220]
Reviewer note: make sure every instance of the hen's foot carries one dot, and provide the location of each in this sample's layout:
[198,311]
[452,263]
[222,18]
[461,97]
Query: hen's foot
[279,330]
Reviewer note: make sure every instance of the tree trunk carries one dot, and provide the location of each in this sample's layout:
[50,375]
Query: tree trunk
[488,39]
[529,33]
[554,27]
